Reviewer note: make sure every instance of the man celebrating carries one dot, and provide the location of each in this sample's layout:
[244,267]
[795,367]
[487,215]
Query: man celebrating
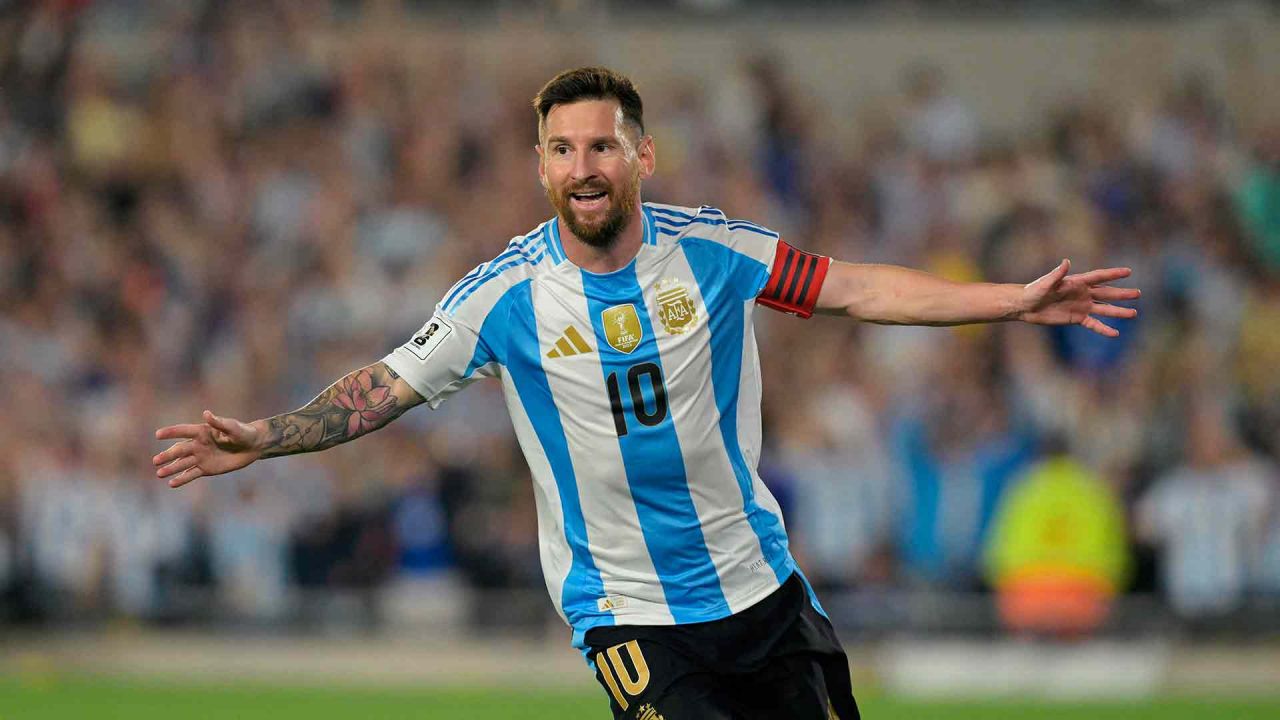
[621,332]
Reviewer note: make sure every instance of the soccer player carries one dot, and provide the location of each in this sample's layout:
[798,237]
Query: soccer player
[621,332]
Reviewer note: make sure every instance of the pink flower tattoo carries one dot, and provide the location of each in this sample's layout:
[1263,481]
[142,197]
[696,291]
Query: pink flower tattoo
[368,404]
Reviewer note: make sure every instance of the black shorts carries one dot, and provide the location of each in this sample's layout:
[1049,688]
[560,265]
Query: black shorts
[777,660]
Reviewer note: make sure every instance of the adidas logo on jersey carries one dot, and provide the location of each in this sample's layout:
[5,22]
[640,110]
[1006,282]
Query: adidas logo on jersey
[570,343]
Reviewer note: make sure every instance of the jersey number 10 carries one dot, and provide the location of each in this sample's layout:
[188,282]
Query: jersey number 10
[638,405]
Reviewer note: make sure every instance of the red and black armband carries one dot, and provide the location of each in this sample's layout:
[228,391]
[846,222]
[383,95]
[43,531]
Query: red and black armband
[795,282]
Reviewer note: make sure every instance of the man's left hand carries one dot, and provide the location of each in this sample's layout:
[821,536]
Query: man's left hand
[1062,299]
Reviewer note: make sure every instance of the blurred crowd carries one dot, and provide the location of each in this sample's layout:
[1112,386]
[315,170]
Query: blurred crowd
[241,213]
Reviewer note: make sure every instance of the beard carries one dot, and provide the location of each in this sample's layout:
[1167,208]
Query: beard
[604,232]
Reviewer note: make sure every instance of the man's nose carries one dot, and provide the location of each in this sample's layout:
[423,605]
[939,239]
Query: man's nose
[583,167]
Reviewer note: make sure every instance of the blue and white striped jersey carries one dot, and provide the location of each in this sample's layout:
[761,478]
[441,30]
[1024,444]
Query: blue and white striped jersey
[635,396]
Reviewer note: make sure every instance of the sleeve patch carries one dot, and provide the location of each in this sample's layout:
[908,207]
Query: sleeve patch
[426,340]
[795,282]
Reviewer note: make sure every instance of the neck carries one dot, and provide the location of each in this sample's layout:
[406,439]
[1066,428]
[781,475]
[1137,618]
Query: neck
[607,259]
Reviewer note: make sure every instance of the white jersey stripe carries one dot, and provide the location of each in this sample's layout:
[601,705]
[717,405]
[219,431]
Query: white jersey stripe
[514,329]
[610,513]
[656,476]
[714,265]
[553,550]
[735,549]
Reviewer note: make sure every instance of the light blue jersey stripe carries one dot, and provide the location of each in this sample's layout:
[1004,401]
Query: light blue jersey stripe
[553,243]
[669,227]
[466,280]
[676,221]
[482,268]
[511,325]
[495,272]
[720,274]
[813,596]
[672,213]
[654,465]
[488,270]
[744,225]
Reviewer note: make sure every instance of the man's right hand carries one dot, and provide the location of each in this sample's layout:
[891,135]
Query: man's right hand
[358,403]
[218,445]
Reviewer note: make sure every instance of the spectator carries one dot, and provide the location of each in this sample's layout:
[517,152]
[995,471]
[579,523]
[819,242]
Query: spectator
[956,453]
[255,183]
[1058,552]
[938,124]
[1258,200]
[1208,517]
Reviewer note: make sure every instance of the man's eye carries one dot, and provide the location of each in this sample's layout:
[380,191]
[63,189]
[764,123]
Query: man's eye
[602,147]
[561,150]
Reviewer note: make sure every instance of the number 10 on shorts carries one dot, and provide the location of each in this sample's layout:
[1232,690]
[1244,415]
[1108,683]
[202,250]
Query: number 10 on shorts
[623,681]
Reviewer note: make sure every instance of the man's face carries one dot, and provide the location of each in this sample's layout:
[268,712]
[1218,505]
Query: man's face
[591,163]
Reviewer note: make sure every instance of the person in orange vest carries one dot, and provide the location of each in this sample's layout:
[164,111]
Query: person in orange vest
[1058,553]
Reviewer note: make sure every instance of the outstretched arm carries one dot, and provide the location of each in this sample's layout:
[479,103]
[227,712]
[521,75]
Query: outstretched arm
[359,403]
[892,295]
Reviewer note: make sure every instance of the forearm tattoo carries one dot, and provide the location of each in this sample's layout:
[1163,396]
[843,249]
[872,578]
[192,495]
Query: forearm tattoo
[360,402]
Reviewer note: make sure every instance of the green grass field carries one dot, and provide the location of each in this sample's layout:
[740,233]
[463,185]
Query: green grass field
[54,698]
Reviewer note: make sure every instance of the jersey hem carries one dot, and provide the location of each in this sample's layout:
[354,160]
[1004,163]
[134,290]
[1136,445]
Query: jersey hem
[741,604]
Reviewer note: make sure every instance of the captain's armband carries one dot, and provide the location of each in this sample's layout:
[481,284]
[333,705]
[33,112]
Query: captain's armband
[795,282]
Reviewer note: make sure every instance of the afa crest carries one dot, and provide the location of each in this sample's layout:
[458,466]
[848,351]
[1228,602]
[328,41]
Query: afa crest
[675,308]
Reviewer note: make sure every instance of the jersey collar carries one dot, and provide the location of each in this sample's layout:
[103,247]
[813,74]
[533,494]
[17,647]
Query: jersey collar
[650,231]
[555,247]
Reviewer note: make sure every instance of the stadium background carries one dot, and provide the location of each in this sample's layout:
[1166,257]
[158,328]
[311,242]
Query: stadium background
[230,204]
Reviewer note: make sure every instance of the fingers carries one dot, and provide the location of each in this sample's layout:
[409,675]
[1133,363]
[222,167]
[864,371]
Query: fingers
[226,425]
[1055,275]
[1092,323]
[1105,275]
[179,462]
[176,451]
[174,432]
[1114,311]
[1113,294]
[177,466]
[185,477]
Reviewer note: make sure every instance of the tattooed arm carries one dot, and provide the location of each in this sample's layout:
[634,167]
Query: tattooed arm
[359,403]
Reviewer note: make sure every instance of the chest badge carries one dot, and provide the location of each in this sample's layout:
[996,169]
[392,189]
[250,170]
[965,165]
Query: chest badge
[622,327]
[675,308]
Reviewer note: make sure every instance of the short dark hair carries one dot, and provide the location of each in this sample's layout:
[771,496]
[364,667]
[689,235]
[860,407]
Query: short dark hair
[590,83]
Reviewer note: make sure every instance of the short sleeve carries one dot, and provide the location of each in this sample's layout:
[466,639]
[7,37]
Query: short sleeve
[745,238]
[749,257]
[443,357]
[462,341]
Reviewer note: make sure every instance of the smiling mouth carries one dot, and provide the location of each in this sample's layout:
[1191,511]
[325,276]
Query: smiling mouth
[589,199]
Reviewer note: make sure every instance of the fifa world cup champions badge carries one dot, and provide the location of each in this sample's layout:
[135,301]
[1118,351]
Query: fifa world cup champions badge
[622,327]
[675,307]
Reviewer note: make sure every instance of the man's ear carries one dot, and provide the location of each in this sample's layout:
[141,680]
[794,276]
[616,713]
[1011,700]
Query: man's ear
[648,158]
[542,170]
